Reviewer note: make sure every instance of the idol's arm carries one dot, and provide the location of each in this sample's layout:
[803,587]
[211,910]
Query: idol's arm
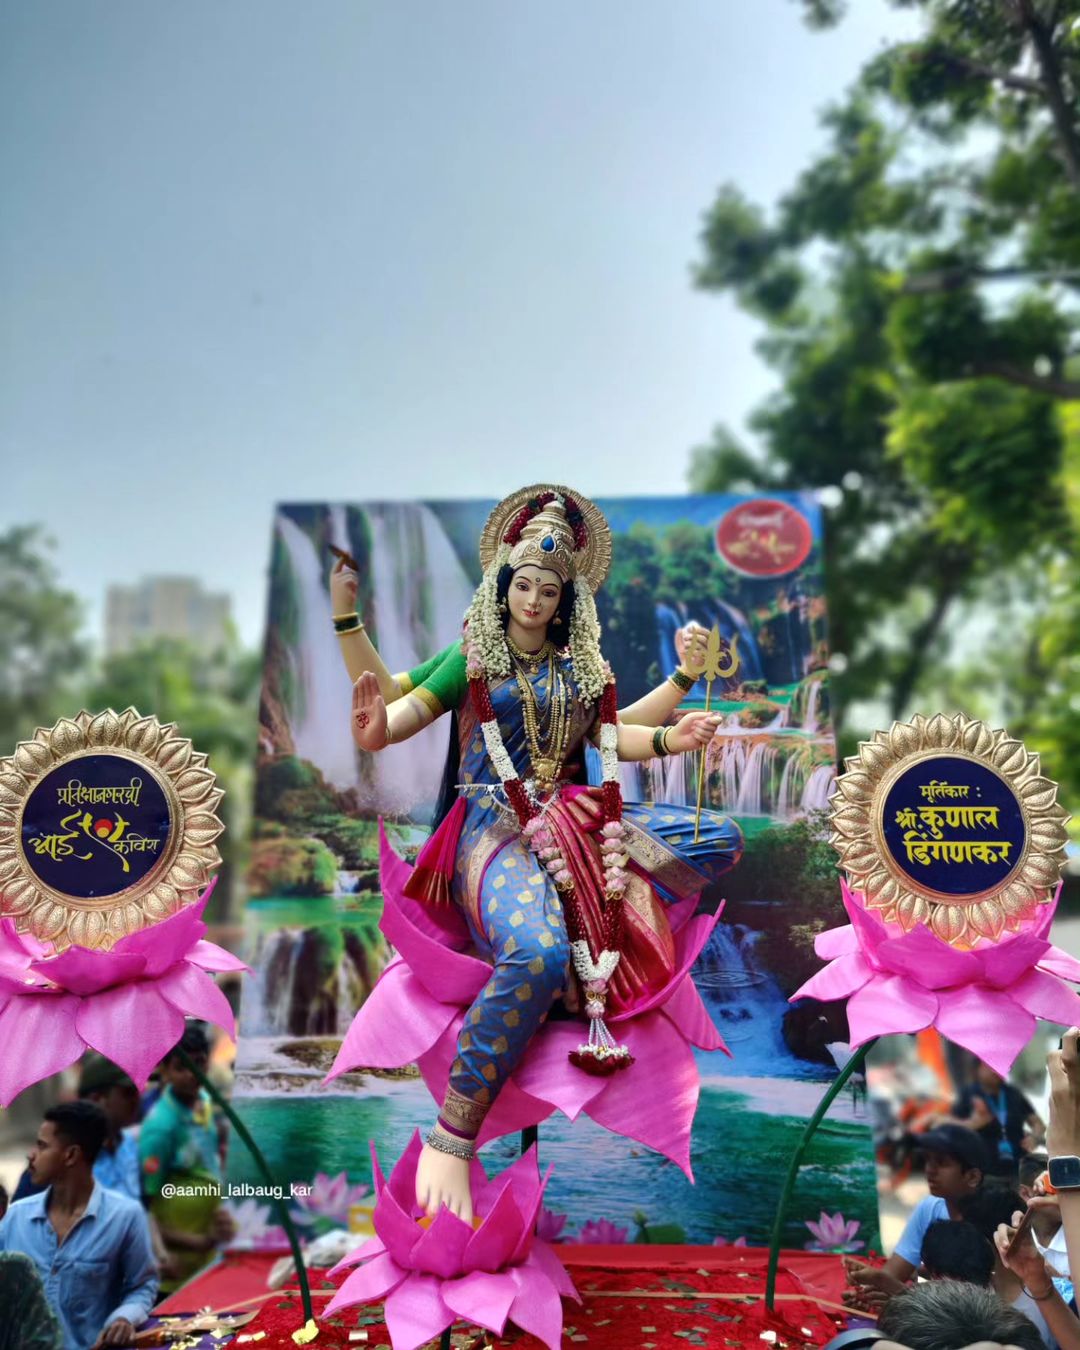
[655,707]
[693,731]
[357,649]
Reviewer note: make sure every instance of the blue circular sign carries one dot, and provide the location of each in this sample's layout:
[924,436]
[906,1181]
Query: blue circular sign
[95,826]
[953,827]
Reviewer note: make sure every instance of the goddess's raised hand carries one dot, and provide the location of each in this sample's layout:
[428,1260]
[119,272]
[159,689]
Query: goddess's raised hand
[690,645]
[344,586]
[369,724]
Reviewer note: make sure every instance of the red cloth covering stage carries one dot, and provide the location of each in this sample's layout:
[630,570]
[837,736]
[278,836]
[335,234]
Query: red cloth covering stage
[656,1298]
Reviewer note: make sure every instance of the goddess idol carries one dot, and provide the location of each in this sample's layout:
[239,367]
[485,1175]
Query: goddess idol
[538,900]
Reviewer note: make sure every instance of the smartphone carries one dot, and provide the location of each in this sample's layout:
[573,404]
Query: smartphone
[1018,1236]
[346,558]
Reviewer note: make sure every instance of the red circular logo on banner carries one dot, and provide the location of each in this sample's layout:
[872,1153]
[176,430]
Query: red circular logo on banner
[764,537]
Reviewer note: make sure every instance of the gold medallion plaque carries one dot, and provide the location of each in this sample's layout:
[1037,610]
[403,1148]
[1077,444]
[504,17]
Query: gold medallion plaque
[107,825]
[945,822]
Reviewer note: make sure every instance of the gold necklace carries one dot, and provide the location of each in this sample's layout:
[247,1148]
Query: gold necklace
[547,749]
[530,659]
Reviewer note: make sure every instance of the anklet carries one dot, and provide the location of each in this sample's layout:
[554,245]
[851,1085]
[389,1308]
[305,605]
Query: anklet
[456,1148]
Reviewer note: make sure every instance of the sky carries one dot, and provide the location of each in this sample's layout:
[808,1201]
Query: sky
[254,251]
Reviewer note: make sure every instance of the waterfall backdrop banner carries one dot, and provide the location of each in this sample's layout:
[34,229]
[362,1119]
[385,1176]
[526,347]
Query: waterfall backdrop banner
[751,565]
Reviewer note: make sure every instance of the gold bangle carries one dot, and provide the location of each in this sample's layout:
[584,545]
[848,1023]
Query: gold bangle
[349,614]
[389,733]
[663,739]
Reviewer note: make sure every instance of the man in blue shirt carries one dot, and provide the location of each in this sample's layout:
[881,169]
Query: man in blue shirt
[117,1165]
[90,1245]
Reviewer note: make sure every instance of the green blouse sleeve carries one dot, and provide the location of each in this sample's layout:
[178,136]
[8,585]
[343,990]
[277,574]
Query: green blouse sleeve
[445,687]
[408,680]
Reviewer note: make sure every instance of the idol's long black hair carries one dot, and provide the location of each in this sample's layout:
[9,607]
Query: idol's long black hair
[558,631]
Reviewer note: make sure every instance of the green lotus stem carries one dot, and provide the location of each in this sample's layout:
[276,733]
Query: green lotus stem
[280,1207]
[853,1064]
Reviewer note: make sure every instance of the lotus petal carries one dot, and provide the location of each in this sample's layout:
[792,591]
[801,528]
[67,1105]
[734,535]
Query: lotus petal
[889,1004]
[39,1038]
[838,979]
[490,1247]
[1046,997]
[82,971]
[400,1020]
[986,1022]
[659,1120]
[370,1282]
[133,1025]
[210,956]
[687,1011]
[193,992]
[165,943]
[441,1248]
[537,1308]
[481,1297]
[415,1312]
[373,1246]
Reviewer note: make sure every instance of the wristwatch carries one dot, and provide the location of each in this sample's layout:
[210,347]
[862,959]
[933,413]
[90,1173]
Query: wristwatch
[1064,1173]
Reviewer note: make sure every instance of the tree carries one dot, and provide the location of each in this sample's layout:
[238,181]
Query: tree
[42,651]
[213,699]
[918,289]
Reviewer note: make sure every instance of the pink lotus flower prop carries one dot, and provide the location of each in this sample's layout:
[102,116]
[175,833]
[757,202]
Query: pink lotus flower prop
[493,1274]
[416,1011]
[330,1198]
[129,1003]
[986,999]
[834,1233]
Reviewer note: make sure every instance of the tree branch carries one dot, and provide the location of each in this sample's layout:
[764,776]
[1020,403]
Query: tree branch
[1023,83]
[956,278]
[952,579]
[1053,385]
[1043,42]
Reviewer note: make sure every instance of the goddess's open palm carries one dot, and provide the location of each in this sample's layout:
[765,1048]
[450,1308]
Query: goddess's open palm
[369,724]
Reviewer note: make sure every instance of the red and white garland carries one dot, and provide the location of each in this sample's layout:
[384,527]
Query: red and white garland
[601,1054]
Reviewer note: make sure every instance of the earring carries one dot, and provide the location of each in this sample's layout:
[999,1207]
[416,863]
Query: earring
[503,606]
[556,619]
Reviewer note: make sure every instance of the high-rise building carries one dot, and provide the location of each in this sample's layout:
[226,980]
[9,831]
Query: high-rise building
[165,607]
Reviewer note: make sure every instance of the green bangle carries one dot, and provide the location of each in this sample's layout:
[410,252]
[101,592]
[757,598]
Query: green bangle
[682,680]
[659,747]
[347,623]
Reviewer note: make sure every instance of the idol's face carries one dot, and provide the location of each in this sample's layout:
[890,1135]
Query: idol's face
[533,598]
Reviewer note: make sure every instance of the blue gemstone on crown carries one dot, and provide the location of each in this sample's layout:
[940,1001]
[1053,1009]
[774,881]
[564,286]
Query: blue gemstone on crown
[547,544]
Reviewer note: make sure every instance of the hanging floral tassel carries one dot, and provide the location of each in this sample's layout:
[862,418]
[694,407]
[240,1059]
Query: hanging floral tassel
[601,1055]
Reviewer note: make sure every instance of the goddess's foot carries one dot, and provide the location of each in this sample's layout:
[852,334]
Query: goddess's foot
[442,1179]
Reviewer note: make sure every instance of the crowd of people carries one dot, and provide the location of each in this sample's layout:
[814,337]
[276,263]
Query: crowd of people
[120,1202]
[991,1257]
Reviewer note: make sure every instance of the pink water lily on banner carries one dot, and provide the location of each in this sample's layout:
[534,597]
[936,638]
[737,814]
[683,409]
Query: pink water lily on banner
[834,1233]
[416,1012]
[985,999]
[128,1003]
[428,1277]
[602,1232]
[330,1198]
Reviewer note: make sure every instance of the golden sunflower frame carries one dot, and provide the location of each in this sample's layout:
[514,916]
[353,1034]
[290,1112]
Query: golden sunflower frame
[857,829]
[186,861]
